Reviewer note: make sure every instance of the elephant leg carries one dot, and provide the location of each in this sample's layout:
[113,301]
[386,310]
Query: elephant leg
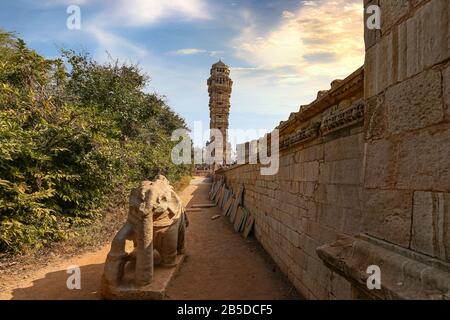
[169,242]
[181,234]
[116,258]
[118,243]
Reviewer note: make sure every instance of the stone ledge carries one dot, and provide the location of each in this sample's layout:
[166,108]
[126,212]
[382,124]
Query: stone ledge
[404,274]
[154,291]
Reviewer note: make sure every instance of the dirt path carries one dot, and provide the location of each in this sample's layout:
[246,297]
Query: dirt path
[220,264]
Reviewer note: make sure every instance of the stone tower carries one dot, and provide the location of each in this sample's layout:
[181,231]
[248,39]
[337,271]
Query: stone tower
[219,88]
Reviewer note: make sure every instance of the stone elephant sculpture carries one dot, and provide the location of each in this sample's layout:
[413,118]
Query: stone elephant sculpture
[156,224]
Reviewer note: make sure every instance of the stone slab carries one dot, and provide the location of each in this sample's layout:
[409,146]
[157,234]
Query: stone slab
[405,274]
[239,218]
[154,291]
[203,205]
[228,205]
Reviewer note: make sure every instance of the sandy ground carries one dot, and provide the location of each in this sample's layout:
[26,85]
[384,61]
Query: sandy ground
[220,264]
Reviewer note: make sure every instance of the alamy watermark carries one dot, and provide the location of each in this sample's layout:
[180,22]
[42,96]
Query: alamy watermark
[373,14]
[263,150]
[74,280]
[373,21]
[374,280]
[73,21]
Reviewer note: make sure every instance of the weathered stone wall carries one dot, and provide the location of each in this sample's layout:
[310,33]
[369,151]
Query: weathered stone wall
[316,194]
[306,205]
[387,176]
[407,131]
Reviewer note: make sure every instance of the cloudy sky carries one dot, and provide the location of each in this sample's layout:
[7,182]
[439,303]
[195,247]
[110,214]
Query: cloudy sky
[281,52]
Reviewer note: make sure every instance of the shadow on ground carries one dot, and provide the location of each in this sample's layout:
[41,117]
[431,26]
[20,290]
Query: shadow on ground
[220,264]
[54,286]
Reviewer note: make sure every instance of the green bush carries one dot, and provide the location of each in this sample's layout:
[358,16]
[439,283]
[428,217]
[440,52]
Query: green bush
[70,137]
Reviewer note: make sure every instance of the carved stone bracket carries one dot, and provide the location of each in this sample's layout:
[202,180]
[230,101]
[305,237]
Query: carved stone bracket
[345,118]
[405,274]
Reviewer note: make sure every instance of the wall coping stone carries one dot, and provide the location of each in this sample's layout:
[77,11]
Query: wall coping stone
[340,90]
[405,274]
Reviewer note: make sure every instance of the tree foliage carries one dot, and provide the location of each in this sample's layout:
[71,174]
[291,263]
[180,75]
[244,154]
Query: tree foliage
[72,131]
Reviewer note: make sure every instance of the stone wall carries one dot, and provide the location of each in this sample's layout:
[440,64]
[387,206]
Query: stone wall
[367,166]
[407,130]
[317,192]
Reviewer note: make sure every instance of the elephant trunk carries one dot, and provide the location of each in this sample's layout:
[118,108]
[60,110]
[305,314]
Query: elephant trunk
[144,249]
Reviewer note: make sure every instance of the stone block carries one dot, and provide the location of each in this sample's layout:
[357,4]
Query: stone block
[375,124]
[370,36]
[340,195]
[156,290]
[306,189]
[431,216]
[330,215]
[387,215]
[348,171]
[380,164]
[310,246]
[301,226]
[370,71]
[306,171]
[380,66]
[340,288]
[392,12]
[344,148]
[309,154]
[311,210]
[415,103]
[413,45]
[423,160]
[303,289]
[352,221]
[427,37]
[300,258]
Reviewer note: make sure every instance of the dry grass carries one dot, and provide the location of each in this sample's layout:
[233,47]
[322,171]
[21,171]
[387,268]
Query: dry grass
[182,183]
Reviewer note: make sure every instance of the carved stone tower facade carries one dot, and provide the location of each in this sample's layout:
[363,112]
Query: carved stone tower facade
[219,88]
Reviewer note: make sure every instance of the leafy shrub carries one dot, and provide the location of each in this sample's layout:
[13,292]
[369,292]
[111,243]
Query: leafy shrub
[69,139]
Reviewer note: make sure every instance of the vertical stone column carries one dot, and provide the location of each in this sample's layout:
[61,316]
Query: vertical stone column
[407,127]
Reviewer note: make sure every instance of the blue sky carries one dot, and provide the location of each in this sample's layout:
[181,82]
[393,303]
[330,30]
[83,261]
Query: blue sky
[281,52]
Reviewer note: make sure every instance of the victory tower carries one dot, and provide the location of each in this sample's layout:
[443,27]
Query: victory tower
[219,88]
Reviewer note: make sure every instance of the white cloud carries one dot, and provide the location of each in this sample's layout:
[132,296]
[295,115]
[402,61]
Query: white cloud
[287,14]
[187,51]
[286,66]
[51,3]
[320,42]
[192,51]
[136,13]
[215,53]
[116,46]
[324,38]
[116,14]
[147,12]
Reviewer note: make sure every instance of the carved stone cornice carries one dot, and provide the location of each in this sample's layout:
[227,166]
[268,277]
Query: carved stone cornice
[302,135]
[342,119]
[340,90]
